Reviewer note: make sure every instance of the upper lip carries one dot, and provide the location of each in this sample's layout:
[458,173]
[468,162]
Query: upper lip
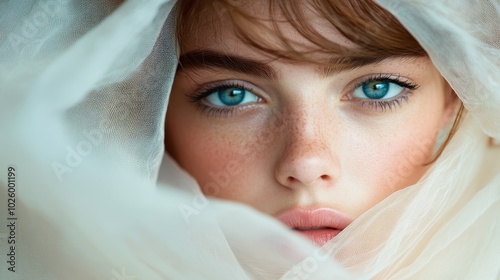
[317,218]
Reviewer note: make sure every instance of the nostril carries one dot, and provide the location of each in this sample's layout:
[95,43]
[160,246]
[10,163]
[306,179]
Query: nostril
[291,180]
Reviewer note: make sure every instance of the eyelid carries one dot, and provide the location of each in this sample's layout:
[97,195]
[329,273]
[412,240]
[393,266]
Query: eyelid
[206,89]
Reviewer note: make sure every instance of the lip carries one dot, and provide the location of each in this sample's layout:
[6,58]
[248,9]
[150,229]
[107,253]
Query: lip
[319,225]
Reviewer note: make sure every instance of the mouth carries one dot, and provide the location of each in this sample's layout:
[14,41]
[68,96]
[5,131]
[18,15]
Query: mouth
[318,225]
[319,236]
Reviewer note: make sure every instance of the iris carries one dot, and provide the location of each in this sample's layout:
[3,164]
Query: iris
[231,96]
[376,89]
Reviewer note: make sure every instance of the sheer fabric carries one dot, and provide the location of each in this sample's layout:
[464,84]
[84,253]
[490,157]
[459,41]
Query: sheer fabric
[84,88]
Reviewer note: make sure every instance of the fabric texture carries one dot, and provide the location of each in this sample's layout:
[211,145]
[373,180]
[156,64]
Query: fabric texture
[84,88]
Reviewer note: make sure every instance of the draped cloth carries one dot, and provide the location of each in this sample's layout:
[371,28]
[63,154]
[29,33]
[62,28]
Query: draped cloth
[86,191]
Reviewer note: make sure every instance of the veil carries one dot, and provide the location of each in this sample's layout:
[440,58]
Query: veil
[87,192]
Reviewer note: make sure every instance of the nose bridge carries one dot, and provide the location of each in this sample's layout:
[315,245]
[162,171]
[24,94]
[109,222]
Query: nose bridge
[306,129]
[305,109]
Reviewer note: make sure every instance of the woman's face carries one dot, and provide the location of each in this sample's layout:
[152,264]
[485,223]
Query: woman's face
[298,141]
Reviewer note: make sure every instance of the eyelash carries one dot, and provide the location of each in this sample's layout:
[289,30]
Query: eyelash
[382,106]
[196,99]
[385,105]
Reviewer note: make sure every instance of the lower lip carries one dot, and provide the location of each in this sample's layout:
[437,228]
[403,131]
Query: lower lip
[319,236]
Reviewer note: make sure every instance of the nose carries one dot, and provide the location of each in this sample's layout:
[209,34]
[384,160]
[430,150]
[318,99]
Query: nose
[307,159]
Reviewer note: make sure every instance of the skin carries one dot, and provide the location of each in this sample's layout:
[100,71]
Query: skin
[307,142]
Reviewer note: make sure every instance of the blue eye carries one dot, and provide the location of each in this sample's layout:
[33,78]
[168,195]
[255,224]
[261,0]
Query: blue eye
[231,96]
[376,90]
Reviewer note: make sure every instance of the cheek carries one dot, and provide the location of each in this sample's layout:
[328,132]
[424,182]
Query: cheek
[401,160]
[389,157]
[220,158]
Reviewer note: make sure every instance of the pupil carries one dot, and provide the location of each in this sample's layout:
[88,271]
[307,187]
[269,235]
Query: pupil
[236,92]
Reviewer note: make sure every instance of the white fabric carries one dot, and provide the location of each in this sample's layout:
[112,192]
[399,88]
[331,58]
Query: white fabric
[84,87]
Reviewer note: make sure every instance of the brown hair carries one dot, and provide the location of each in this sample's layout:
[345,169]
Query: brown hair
[375,32]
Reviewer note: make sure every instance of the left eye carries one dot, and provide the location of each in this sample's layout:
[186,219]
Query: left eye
[231,96]
[377,90]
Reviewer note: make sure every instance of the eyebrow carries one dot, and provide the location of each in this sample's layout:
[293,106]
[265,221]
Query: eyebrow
[212,59]
[340,64]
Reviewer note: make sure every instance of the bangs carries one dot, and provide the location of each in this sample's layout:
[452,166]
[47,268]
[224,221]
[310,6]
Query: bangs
[373,31]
